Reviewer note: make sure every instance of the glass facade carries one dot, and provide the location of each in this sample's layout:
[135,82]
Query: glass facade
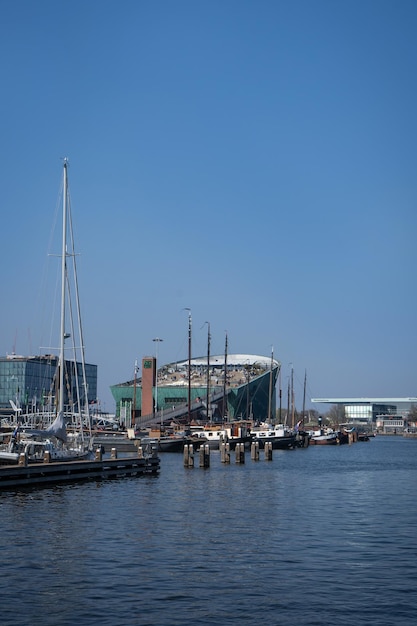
[30,382]
[367,412]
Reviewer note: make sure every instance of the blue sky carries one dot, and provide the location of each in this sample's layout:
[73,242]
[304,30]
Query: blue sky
[254,161]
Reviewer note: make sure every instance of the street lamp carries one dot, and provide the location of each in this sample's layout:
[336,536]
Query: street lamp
[157,340]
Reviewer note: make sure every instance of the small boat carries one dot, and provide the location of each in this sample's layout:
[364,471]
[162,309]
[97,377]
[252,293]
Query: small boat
[280,437]
[232,433]
[173,443]
[325,437]
[36,447]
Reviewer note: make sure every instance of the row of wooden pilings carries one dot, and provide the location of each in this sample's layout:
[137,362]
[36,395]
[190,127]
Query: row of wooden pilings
[204,453]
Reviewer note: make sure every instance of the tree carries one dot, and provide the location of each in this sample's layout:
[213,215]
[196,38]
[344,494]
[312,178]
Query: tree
[336,415]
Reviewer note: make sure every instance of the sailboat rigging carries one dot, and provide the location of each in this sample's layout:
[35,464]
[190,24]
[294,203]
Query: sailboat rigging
[54,438]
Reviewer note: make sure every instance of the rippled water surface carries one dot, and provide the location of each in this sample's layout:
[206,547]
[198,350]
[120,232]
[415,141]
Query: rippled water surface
[326,535]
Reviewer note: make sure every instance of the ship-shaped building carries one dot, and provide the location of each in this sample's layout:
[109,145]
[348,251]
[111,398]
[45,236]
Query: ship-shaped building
[236,387]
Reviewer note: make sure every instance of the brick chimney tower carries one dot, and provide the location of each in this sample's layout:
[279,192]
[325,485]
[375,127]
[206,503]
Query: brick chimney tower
[148,383]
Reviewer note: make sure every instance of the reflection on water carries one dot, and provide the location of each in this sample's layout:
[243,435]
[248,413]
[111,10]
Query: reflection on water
[324,535]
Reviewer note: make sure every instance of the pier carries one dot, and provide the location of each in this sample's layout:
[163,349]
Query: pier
[72,471]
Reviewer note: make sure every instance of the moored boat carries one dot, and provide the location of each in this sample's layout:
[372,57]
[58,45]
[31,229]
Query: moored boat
[280,437]
[215,435]
[325,437]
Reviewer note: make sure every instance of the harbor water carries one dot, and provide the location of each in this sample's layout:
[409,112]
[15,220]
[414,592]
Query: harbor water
[317,536]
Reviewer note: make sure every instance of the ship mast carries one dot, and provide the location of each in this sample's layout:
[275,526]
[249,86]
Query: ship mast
[189,365]
[270,387]
[133,412]
[208,373]
[280,396]
[292,398]
[63,291]
[225,411]
[304,394]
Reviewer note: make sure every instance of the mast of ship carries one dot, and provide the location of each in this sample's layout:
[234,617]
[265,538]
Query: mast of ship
[225,380]
[288,404]
[270,387]
[280,397]
[304,394]
[247,389]
[208,372]
[63,291]
[292,397]
[133,416]
[189,365]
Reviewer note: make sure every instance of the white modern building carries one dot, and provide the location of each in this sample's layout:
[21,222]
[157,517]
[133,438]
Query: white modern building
[366,410]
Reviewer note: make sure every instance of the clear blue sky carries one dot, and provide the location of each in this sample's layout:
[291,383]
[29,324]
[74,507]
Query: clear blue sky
[255,161]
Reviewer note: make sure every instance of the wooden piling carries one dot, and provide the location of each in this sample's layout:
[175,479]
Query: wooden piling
[204,454]
[268,450]
[254,451]
[225,452]
[240,453]
[188,455]
[99,454]
[113,453]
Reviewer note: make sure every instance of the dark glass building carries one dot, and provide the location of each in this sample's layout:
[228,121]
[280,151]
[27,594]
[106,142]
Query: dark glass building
[30,383]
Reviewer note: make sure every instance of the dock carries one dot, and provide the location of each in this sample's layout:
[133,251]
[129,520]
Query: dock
[38,474]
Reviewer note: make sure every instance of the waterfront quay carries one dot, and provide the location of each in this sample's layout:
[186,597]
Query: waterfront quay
[38,474]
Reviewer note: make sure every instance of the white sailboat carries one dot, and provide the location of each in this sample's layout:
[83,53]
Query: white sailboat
[54,439]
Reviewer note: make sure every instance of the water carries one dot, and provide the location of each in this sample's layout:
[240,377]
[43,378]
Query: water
[325,535]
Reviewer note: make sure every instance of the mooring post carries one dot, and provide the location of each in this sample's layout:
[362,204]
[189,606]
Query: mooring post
[188,455]
[240,453]
[268,450]
[225,452]
[254,450]
[140,452]
[47,456]
[114,453]
[204,455]
[191,455]
[99,454]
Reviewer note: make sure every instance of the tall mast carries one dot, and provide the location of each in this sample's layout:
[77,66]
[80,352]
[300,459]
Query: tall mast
[292,397]
[288,405]
[133,417]
[208,372]
[63,279]
[189,365]
[270,387]
[225,411]
[280,397]
[247,389]
[304,394]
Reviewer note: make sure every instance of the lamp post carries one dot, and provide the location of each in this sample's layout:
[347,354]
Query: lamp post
[157,340]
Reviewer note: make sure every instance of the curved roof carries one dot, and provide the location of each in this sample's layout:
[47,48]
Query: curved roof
[232,359]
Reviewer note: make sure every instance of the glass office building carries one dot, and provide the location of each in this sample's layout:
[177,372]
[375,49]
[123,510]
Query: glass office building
[366,410]
[30,383]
